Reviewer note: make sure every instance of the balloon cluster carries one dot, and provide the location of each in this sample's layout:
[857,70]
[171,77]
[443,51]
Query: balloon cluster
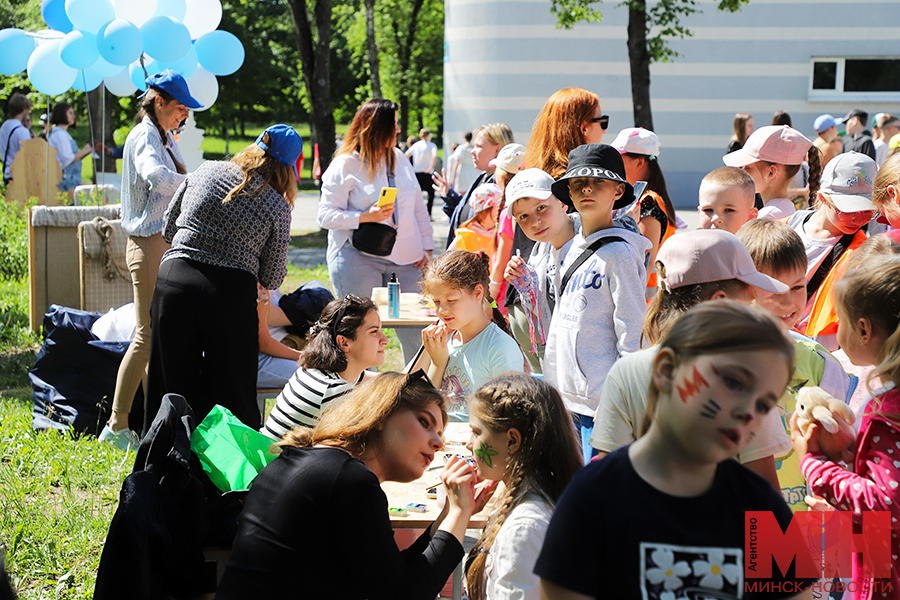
[116,41]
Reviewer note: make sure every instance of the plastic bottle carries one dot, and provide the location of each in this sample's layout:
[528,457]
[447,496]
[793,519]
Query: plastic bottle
[393,297]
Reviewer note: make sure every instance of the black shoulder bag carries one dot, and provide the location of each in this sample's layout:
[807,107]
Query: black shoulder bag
[586,254]
[376,238]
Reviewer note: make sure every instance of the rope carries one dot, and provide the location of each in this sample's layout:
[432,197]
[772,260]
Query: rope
[110,267]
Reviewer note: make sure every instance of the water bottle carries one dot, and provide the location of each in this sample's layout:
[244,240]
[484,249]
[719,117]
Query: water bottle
[393,297]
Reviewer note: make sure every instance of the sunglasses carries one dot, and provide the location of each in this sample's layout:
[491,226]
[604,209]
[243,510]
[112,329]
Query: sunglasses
[336,321]
[856,216]
[602,119]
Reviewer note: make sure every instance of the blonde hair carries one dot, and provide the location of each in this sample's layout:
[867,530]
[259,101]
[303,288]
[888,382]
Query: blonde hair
[496,133]
[557,130]
[545,462]
[355,423]
[730,177]
[372,128]
[872,291]
[888,175]
[876,246]
[718,327]
[260,169]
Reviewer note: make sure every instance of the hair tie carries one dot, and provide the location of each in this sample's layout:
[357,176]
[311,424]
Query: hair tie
[494,304]
[661,284]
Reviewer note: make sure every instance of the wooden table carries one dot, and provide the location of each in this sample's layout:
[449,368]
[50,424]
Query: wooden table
[413,312]
[401,494]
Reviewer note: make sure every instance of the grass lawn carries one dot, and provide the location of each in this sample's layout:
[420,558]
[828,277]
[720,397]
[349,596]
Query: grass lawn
[57,493]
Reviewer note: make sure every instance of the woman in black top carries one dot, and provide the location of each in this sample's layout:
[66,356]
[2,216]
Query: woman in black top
[315,523]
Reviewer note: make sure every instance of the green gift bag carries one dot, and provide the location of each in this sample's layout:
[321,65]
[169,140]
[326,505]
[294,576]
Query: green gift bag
[231,453]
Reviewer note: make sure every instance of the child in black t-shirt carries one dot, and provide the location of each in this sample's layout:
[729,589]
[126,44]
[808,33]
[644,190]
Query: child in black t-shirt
[664,516]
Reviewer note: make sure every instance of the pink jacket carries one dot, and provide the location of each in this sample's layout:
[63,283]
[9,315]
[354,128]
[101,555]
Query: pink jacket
[875,484]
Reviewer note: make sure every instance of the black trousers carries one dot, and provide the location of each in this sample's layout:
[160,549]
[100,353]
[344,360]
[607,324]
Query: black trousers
[427,186]
[205,339]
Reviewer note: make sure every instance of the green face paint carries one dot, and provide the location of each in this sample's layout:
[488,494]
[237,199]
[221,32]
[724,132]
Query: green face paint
[485,452]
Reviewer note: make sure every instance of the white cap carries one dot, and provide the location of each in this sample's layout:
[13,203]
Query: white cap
[528,183]
[848,179]
[637,140]
[509,158]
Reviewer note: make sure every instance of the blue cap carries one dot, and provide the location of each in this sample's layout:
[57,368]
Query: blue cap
[175,85]
[285,145]
[824,122]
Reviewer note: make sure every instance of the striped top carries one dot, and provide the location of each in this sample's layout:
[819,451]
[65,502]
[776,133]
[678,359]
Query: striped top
[306,395]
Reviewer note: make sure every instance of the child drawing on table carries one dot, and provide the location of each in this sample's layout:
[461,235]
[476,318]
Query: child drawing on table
[868,306]
[472,344]
[664,516]
[522,436]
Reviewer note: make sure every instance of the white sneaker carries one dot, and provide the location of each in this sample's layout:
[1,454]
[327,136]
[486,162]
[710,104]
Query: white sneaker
[124,439]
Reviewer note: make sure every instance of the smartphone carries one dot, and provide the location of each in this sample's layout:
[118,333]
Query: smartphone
[387,196]
[639,188]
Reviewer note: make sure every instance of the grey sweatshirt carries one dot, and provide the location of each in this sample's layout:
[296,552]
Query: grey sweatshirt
[598,317]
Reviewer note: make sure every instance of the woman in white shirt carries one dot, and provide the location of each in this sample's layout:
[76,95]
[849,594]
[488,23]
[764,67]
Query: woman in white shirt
[67,152]
[368,161]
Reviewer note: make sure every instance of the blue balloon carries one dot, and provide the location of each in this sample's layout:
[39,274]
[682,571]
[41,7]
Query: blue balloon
[54,13]
[90,15]
[171,8]
[79,49]
[137,73]
[106,68]
[165,38]
[48,73]
[220,52]
[186,65]
[87,80]
[15,48]
[120,43]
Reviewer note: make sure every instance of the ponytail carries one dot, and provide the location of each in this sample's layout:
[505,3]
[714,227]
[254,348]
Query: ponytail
[148,106]
[656,182]
[814,160]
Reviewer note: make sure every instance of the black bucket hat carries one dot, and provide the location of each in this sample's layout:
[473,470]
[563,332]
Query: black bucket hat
[598,161]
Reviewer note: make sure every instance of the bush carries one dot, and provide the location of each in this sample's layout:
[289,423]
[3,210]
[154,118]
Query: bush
[13,242]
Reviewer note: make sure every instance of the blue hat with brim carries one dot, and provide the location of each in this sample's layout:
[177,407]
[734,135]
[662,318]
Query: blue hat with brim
[175,85]
[285,145]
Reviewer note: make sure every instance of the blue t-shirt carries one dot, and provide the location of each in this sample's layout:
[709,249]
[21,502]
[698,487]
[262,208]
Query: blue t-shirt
[487,355]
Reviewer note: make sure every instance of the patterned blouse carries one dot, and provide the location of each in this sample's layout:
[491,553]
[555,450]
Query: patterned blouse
[249,232]
[149,178]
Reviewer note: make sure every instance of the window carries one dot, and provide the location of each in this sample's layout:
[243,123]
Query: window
[855,78]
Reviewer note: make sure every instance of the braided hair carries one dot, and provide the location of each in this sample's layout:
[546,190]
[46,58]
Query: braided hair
[545,462]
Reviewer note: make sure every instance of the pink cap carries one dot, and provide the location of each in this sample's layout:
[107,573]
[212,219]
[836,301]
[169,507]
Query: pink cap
[707,255]
[777,144]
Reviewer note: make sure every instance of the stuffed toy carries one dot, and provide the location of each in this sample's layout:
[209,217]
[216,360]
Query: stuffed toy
[833,415]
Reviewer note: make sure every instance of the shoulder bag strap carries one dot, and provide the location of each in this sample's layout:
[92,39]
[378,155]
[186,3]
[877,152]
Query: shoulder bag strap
[586,254]
[829,261]
[6,152]
[392,183]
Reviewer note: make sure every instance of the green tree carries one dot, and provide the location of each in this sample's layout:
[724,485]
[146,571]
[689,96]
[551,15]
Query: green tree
[643,47]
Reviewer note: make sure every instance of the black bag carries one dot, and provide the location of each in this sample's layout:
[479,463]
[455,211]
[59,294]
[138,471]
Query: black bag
[74,375]
[376,238]
[304,305]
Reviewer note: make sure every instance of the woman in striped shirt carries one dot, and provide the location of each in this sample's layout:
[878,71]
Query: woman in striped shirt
[345,341]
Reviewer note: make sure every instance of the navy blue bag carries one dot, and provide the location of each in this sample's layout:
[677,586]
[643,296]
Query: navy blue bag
[74,375]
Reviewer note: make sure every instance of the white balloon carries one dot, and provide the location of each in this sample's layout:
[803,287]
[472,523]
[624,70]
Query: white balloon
[204,87]
[120,84]
[202,16]
[136,11]
[170,8]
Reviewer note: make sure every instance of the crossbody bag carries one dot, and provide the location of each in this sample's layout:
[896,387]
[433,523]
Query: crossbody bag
[376,238]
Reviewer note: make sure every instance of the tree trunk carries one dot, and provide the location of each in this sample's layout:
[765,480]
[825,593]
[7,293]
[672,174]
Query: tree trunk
[372,48]
[315,64]
[639,59]
[404,52]
[102,127]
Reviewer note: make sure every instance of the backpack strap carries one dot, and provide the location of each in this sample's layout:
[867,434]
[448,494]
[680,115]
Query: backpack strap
[6,153]
[585,254]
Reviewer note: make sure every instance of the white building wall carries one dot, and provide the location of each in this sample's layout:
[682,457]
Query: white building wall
[504,58]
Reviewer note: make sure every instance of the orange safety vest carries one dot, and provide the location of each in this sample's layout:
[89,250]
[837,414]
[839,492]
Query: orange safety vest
[820,317]
[669,232]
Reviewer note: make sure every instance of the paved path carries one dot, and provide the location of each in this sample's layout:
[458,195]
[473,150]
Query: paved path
[303,220]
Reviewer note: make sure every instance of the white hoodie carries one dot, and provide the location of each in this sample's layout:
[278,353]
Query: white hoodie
[598,317]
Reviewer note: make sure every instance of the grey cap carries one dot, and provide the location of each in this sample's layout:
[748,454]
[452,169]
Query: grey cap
[848,179]
[528,183]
